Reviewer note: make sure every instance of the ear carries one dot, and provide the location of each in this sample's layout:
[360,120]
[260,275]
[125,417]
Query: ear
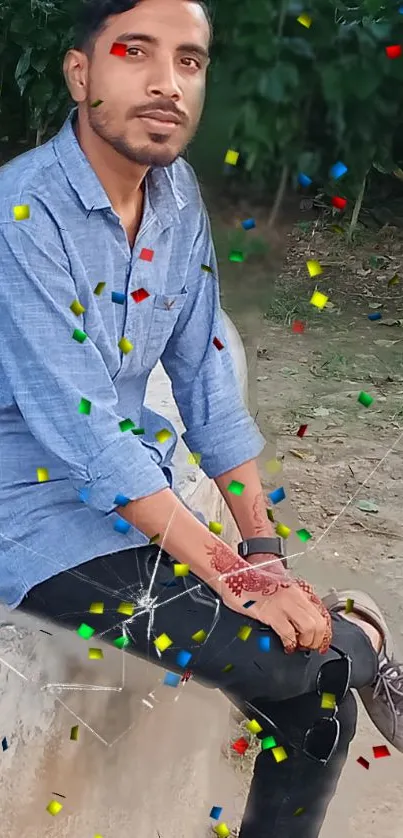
[75,70]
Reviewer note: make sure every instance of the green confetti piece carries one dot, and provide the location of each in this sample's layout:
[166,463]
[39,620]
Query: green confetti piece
[299,811]
[100,287]
[236,256]
[126,425]
[303,534]
[235,487]
[365,399]
[74,733]
[207,268]
[85,631]
[349,606]
[154,538]
[228,667]
[77,308]
[97,103]
[268,742]
[121,642]
[269,513]
[138,431]
[79,336]
[84,407]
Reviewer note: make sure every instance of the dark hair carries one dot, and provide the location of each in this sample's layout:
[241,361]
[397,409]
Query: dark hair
[93,15]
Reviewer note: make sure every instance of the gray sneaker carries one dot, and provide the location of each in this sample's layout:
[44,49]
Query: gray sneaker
[383,700]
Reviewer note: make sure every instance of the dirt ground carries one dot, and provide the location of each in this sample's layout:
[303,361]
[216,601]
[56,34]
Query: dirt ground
[344,478]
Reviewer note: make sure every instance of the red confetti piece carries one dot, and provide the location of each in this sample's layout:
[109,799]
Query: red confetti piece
[301,430]
[298,327]
[186,675]
[394,51]
[218,343]
[363,762]
[240,746]
[380,751]
[339,203]
[118,49]
[147,255]
[139,295]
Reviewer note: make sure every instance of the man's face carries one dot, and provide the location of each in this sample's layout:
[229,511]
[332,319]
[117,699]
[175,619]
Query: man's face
[163,71]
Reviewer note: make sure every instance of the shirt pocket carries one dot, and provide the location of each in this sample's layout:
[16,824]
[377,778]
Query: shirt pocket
[165,314]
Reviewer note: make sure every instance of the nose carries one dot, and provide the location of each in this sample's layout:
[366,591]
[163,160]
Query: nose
[164,79]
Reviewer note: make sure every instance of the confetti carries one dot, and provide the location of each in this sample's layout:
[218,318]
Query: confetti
[54,807]
[21,212]
[96,608]
[380,751]
[121,526]
[186,676]
[199,636]
[277,496]
[303,535]
[240,746]
[314,268]
[273,466]
[339,203]
[222,830]
[125,346]
[215,527]
[118,49]
[118,298]
[207,269]
[154,538]
[249,224]
[84,495]
[299,811]
[228,668]
[163,642]
[376,315]
[244,632]
[95,654]
[282,530]
[363,762]
[268,743]
[121,642]
[163,435]
[269,513]
[85,631]
[235,487]
[79,336]
[138,431]
[183,657]
[349,606]
[84,407]
[74,733]
[279,754]
[181,569]
[393,281]
[338,170]
[121,500]
[126,425]
[4,744]
[77,308]
[218,344]
[365,399]
[171,679]
[146,255]
[302,431]
[254,727]
[42,474]
[139,295]
[194,459]
[236,256]
[250,603]
[394,51]
[100,287]
[216,812]
[304,180]
[318,299]
[126,608]
[328,701]
[231,157]
[264,643]
[97,103]
[305,20]
[298,327]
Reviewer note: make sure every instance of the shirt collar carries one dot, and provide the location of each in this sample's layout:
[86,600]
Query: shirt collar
[166,198]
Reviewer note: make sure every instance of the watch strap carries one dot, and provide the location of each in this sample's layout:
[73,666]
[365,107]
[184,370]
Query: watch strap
[251,546]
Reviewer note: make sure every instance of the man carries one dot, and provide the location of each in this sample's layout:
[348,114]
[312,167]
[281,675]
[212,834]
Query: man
[104,245]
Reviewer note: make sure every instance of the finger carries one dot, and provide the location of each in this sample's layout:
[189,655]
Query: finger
[304,621]
[286,632]
[328,632]
[321,617]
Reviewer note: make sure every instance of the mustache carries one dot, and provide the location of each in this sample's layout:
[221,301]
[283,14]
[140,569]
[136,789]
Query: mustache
[166,107]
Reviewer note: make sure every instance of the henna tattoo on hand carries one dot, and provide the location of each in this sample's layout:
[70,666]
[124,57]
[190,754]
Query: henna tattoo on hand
[240,576]
[260,515]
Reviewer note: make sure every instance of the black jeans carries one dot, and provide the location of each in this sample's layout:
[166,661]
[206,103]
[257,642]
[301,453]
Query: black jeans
[281,686]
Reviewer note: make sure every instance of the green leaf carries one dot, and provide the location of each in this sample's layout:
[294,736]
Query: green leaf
[40,61]
[23,63]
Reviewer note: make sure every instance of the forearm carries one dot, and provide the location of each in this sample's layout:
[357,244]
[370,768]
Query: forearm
[249,508]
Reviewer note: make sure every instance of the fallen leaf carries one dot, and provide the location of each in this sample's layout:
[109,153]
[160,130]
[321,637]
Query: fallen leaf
[303,455]
[367,506]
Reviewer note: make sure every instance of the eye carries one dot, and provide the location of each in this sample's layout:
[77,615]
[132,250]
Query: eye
[132,50]
[197,63]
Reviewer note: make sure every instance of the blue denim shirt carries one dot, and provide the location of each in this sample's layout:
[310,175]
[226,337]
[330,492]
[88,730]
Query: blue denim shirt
[62,468]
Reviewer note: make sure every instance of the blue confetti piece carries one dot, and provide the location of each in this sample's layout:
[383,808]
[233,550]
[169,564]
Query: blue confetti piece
[338,170]
[171,680]
[183,657]
[277,496]
[121,500]
[118,298]
[249,224]
[400,10]
[84,495]
[304,180]
[171,584]
[249,603]
[121,526]
[375,316]
[4,744]
[216,812]
[264,643]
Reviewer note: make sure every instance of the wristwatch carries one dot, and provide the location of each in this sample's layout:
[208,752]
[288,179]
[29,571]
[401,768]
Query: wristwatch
[274,545]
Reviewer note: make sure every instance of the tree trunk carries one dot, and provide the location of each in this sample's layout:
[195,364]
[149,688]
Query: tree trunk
[357,209]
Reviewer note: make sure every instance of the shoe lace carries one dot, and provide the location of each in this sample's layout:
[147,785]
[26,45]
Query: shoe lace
[389,687]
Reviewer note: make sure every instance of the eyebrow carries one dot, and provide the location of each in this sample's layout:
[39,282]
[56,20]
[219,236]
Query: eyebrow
[127,37]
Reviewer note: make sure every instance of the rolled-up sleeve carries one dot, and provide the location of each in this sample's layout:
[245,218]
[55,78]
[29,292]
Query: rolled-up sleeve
[203,376]
[49,373]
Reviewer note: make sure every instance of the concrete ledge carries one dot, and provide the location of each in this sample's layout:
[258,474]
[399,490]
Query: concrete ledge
[147,770]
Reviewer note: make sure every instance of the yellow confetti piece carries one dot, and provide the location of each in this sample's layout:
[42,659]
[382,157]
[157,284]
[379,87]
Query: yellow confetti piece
[163,435]
[126,608]
[349,606]
[215,527]
[77,308]
[318,299]
[199,636]
[305,20]
[244,632]
[228,667]
[54,807]
[232,157]
[43,475]
[125,346]
[273,466]
[97,835]
[299,811]
[282,530]
[393,281]
[279,753]
[163,642]
[154,538]
[314,268]
[21,212]
[95,654]
[194,459]
[222,830]
[328,701]
[96,608]
[74,733]
[181,569]
[254,727]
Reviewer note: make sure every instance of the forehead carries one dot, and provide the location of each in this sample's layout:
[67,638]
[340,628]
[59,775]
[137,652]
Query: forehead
[173,19]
